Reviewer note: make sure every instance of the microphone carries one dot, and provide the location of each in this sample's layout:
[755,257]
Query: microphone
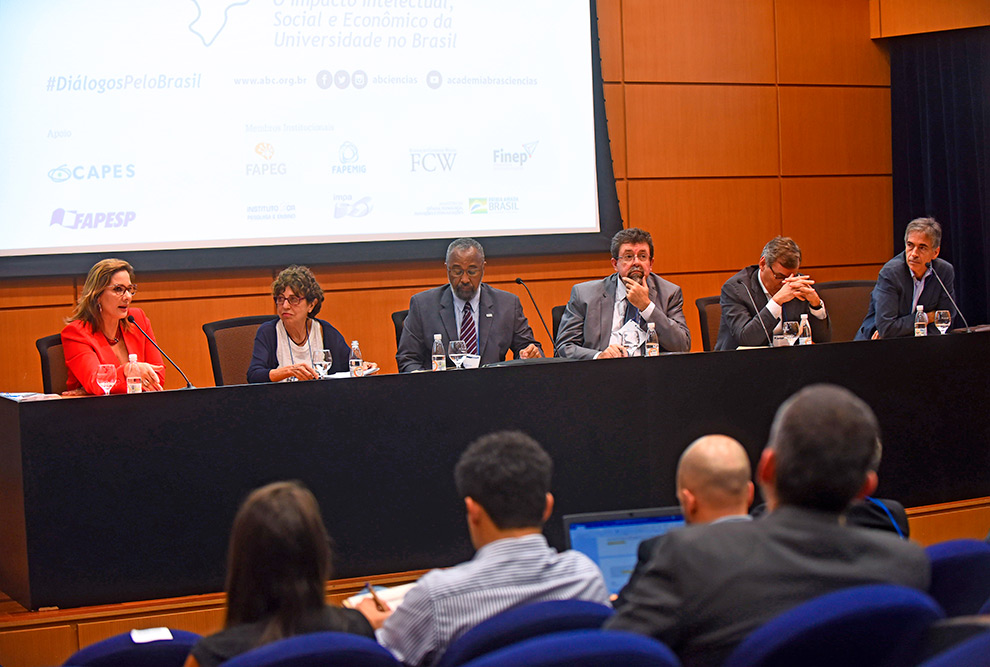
[928,265]
[189,385]
[753,301]
[519,281]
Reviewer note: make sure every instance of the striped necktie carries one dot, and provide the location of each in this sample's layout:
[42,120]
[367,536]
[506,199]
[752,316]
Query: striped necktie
[469,334]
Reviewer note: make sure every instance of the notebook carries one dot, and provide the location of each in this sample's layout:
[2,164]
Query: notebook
[611,539]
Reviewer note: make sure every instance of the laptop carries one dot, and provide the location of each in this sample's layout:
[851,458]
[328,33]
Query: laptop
[611,539]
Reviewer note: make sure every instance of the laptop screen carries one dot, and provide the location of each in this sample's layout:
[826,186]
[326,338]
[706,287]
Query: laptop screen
[611,539]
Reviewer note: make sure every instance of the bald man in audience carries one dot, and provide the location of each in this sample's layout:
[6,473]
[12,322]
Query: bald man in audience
[713,485]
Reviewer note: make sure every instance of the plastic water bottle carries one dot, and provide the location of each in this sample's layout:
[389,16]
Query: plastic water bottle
[652,340]
[133,375]
[439,358]
[355,360]
[920,322]
[804,331]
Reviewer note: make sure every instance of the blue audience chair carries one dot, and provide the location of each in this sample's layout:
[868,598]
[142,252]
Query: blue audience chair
[582,648]
[985,609]
[326,649]
[960,575]
[519,623]
[974,652]
[877,625]
[121,651]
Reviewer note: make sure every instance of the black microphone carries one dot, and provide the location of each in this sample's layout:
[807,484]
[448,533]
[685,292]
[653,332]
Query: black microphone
[519,281]
[928,265]
[189,385]
[753,301]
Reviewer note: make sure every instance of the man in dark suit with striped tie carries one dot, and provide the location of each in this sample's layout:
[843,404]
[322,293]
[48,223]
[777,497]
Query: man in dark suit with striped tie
[490,321]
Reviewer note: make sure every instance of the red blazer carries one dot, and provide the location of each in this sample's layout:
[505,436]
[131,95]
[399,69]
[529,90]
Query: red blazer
[85,350]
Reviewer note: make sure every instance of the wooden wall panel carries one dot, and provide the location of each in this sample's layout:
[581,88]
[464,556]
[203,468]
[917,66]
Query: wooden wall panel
[706,224]
[610,38]
[685,130]
[725,41]
[616,114]
[826,130]
[200,621]
[839,220]
[906,17]
[827,42]
[622,190]
[37,647]
[19,329]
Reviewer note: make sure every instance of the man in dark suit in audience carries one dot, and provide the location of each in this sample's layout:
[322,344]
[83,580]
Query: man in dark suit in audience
[707,587]
[490,321]
[713,486]
[759,299]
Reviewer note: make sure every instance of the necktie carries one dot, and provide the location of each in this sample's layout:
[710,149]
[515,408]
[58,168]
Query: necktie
[632,313]
[468,332]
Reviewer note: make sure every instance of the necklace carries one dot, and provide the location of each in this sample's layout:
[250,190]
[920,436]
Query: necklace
[115,339]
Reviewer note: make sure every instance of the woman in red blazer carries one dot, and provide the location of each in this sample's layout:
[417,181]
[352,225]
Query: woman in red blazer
[98,332]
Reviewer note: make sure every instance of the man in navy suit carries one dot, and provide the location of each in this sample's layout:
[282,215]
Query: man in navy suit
[907,281]
[490,321]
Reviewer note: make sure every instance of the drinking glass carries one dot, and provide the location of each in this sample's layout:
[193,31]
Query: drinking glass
[790,331]
[943,319]
[324,361]
[106,377]
[457,349]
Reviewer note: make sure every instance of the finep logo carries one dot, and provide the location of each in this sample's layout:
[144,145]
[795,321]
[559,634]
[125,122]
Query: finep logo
[83,220]
[507,159]
[81,172]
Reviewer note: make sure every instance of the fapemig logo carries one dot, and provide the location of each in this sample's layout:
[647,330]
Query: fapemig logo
[266,168]
[507,159]
[83,220]
[81,172]
[432,160]
[349,160]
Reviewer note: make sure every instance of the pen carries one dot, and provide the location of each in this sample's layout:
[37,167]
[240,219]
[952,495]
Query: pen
[378,601]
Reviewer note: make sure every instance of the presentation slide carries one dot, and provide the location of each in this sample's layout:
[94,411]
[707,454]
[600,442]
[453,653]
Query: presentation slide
[176,124]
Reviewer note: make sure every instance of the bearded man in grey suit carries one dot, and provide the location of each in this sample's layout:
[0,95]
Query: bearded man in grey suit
[596,323]
[490,321]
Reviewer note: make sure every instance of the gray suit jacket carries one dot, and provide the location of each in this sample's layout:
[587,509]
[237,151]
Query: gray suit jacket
[707,587]
[586,325]
[740,325]
[502,327]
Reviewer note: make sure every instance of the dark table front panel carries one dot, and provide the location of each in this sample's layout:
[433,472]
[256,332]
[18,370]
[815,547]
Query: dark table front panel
[132,497]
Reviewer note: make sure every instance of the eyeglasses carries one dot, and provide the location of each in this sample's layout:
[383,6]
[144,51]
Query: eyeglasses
[629,257]
[293,300]
[457,271]
[778,276]
[119,290]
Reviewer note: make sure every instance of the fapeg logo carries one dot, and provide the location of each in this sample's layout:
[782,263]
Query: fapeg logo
[84,220]
[267,168]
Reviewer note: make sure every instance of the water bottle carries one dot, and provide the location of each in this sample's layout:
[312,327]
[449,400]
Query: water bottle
[652,341]
[920,322]
[439,358]
[355,360]
[804,331]
[133,375]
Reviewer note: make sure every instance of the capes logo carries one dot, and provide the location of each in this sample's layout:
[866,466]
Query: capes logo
[83,220]
[64,172]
